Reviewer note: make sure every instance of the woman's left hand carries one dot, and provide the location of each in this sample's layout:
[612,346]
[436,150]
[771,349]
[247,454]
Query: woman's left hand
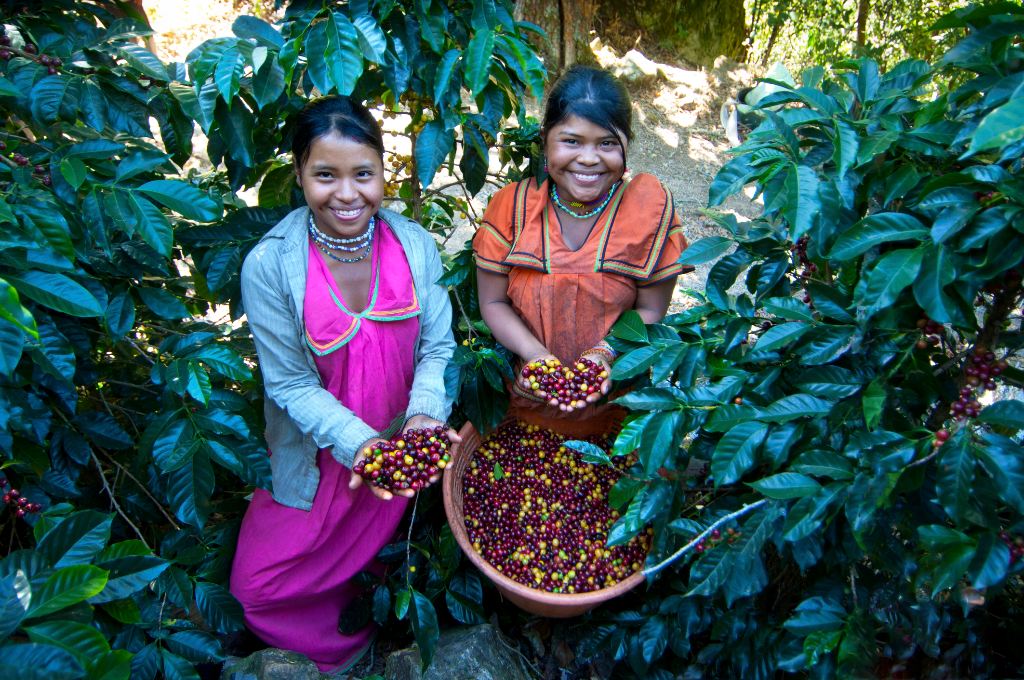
[420,422]
[606,385]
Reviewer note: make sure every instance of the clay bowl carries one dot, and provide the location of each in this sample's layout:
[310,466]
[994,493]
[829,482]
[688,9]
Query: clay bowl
[539,602]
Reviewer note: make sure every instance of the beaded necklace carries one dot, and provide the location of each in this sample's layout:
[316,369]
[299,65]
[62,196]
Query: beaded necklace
[576,204]
[327,243]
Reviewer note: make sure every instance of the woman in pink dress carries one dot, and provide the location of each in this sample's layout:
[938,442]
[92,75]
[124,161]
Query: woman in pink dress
[353,334]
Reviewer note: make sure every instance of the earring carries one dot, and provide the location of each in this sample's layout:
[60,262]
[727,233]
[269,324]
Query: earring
[545,165]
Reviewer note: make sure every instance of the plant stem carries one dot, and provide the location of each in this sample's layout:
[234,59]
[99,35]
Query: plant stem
[113,500]
[651,571]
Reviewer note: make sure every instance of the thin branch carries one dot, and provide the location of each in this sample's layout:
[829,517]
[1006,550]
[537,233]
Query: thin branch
[924,460]
[142,486]
[141,352]
[651,571]
[462,310]
[408,539]
[113,501]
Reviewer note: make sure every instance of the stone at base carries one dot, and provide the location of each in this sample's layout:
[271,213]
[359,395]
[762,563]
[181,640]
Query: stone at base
[271,664]
[471,653]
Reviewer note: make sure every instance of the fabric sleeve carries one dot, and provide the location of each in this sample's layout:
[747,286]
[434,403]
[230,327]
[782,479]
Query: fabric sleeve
[287,376]
[493,239]
[667,265]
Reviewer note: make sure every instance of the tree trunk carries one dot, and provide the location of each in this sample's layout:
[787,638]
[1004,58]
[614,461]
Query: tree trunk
[567,23]
[863,7]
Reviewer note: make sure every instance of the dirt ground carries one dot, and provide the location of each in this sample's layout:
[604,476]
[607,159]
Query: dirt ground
[678,137]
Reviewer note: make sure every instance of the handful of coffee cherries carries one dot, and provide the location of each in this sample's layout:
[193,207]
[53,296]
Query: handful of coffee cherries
[407,461]
[568,385]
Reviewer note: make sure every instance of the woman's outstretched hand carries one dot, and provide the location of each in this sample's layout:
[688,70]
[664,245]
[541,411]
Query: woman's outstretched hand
[423,422]
[356,481]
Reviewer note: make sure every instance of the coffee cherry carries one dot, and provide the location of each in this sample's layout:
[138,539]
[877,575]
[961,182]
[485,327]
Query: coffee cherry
[30,48]
[408,461]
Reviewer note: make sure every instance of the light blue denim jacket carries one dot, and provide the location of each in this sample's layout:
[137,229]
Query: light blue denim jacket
[301,415]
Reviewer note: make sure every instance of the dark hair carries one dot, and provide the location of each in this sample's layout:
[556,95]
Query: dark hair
[593,94]
[334,113]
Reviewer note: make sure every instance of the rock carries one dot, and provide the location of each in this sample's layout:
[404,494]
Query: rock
[471,653]
[271,664]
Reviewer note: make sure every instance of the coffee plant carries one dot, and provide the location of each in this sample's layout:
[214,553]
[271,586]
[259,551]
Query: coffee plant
[829,452]
[130,412]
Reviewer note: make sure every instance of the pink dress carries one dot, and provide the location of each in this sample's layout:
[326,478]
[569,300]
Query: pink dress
[292,569]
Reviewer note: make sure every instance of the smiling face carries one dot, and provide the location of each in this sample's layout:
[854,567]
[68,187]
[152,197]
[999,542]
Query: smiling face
[584,159]
[343,182]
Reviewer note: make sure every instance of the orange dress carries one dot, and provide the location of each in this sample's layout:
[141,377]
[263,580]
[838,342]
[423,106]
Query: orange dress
[569,299]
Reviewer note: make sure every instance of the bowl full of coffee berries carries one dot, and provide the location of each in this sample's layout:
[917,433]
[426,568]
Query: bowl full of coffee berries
[534,518]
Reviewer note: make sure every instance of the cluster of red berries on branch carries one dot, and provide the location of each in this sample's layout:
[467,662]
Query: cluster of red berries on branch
[52,64]
[979,375]
[567,385]
[931,332]
[1014,543]
[809,268]
[716,537]
[18,503]
[539,514]
[408,461]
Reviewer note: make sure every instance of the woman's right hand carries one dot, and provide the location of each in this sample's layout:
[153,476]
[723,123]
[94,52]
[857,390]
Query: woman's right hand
[524,383]
[356,481]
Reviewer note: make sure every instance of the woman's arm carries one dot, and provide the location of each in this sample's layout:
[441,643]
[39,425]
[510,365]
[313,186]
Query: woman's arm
[508,328]
[652,301]
[287,376]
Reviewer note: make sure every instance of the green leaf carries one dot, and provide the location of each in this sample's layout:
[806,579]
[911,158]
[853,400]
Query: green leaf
[651,399]
[787,308]
[1000,128]
[15,597]
[120,315]
[1007,413]
[173,445]
[228,74]
[66,587]
[372,40]
[129,575]
[991,561]
[875,230]
[77,539]
[33,661]
[661,440]
[816,614]
[824,344]
[465,597]
[653,637]
[823,464]
[12,343]
[12,311]
[802,204]
[893,272]
[705,249]
[630,326]
[56,291]
[334,58]
[433,145]
[184,199]
[195,645]
[189,490]
[424,627]
[592,453]
[74,171]
[1002,459]
[728,416]
[786,485]
[144,61]
[781,335]
[223,360]
[498,472]
[478,60]
[152,224]
[402,601]
[873,402]
[955,476]
[163,303]
[938,270]
[736,452]
[268,83]
[732,177]
[846,143]
[114,665]
[634,362]
[176,667]
[795,406]
[219,608]
[85,642]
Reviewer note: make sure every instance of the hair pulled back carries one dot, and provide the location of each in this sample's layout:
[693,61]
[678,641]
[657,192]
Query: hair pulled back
[334,113]
[594,95]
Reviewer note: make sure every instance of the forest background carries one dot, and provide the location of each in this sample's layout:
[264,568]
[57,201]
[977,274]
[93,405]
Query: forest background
[826,395]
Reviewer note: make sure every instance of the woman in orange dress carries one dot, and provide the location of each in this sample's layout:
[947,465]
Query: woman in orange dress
[559,262]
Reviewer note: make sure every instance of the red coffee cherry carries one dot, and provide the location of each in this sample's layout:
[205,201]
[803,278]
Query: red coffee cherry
[408,461]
